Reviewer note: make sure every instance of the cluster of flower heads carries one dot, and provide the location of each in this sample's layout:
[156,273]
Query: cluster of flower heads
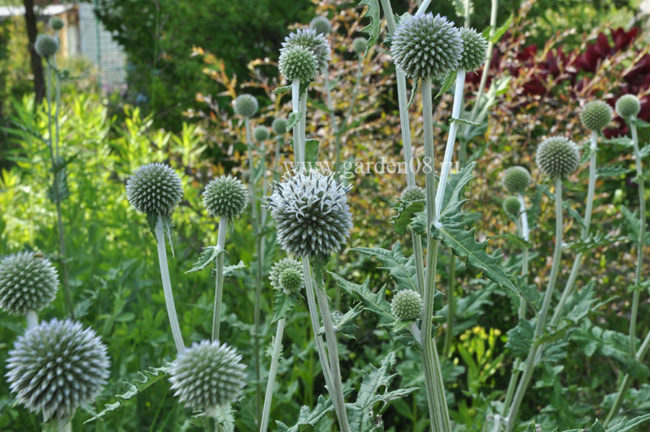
[286,275]
[311,213]
[305,54]
[28,282]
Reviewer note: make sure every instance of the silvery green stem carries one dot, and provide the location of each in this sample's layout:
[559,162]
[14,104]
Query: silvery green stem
[523,216]
[64,426]
[529,366]
[32,319]
[167,285]
[497,420]
[303,125]
[451,306]
[273,370]
[279,144]
[218,289]
[423,7]
[56,110]
[295,108]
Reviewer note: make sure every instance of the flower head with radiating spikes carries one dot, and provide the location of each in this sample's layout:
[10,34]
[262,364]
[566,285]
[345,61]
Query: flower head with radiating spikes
[314,42]
[28,282]
[225,196]
[279,268]
[154,189]
[557,156]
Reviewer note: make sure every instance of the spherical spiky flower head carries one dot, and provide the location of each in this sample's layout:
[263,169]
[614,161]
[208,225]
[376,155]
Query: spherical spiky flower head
[474,49]
[56,367]
[426,46]
[312,214]
[279,126]
[628,106]
[516,179]
[512,206]
[261,133]
[412,193]
[207,375]
[246,105]
[407,305]
[27,283]
[359,45]
[154,189]
[557,156]
[225,197]
[314,42]
[46,45]
[596,115]
[284,265]
[291,280]
[298,63]
[56,23]
[321,25]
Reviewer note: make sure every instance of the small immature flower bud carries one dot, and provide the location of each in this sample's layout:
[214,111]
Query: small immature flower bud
[512,206]
[359,45]
[516,179]
[226,197]
[596,115]
[407,305]
[291,279]
[474,49]
[321,25]
[154,189]
[208,375]
[56,23]
[261,133]
[628,106]
[297,63]
[314,42]
[279,126]
[46,45]
[246,105]
[283,266]
[557,156]
[412,193]
[27,283]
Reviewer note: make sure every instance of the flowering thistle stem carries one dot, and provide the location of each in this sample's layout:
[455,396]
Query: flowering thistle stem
[218,289]
[167,285]
[273,370]
[529,366]
[303,124]
[295,108]
[32,319]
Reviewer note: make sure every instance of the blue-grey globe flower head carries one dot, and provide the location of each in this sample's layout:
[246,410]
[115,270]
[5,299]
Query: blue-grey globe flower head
[246,105]
[321,25]
[28,282]
[474,49]
[314,42]
[407,305]
[516,179]
[596,115]
[56,367]
[311,213]
[512,206]
[426,46]
[154,189]
[360,45]
[283,267]
[279,126]
[46,45]
[226,197]
[412,193]
[557,156]
[56,23]
[628,106]
[208,375]
[261,133]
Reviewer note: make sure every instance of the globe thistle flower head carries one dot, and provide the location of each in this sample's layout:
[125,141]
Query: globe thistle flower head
[628,106]
[279,126]
[407,305]
[291,280]
[208,375]
[512,206]
[298,63]
[56,23]
[360,45]
[46,45]
[426,46]
[261,133]
[314,42]
[154,189]
[516,179]
[311,213]
[225,197]
[56,367]
[596,115]
[557,156]
[321,25]
[27,283]
[412,193]
[290,265]
[246,105]
[474,49]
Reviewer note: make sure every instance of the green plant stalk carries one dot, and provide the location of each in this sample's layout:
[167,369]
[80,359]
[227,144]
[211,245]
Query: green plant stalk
[451,306]
[167,285]
[54,158]
[218,289]
[529,366]
[295,108]
[279,144]
[64,426]
[303,126]
[273,370]
[436,399]
[32,319]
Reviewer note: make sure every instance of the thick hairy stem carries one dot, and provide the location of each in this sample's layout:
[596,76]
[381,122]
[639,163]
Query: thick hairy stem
[529,366]
[32,319]
[167,285]
[639,258]
[295,109]
[303,126]
[218,288]
[273,370]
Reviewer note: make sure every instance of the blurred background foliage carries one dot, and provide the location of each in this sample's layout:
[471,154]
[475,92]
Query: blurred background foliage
[188,60]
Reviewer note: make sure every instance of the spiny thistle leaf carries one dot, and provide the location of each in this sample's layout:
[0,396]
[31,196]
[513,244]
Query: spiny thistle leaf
[405,212]
[374,26]
[208,255]
[626,425]
[308,418]
[372,302]
[401,269]
[284,302]
[520,338]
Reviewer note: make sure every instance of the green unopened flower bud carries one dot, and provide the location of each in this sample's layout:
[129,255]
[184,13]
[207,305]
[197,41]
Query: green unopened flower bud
[56,23]
[154,189]
[28,282]
[314,42]
[407,305]
[557,156]
[261,133]
[291,279]
[628,106]
[516,179]
[512,206]
[321,25]
[246,105]
[46,45]
[474,49]
[297,63]
[412,193]
[596,115]
[225,197]
[279,126]
[359,45]
[284,265]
